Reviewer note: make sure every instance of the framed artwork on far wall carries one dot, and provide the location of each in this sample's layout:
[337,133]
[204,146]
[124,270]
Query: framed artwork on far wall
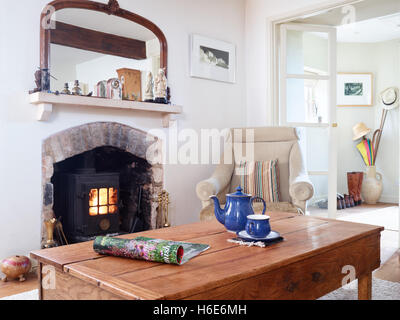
[355,89]
[212,59]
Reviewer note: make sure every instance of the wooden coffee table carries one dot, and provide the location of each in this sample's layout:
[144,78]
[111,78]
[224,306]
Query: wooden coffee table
[307,265]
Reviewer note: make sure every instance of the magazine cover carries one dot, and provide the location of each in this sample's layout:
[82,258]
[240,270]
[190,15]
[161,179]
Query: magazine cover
[156,250]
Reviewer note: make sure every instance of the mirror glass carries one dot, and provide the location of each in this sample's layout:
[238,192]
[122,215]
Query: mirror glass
[96,49]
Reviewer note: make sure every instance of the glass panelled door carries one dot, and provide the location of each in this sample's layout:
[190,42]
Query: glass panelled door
[307,100]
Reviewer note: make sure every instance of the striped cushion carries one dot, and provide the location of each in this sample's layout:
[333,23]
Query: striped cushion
[261,179]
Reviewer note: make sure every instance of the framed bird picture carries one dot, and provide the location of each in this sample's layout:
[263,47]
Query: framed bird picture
[355,89]
[212,59]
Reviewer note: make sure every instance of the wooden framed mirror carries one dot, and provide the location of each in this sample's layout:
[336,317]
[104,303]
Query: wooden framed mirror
[79,34]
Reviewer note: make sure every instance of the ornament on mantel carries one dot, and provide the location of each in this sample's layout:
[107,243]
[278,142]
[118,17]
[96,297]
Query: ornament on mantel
[114,89]
[101,89]
[76,90]
[66,89]
[160,87]
[42,80]
[148,93]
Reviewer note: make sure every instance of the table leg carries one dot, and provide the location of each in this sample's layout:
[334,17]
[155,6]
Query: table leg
[39,272]
[365,286]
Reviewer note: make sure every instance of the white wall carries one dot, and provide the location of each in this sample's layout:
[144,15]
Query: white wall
[383,60]
[353,57]
[388,59]
[207,104]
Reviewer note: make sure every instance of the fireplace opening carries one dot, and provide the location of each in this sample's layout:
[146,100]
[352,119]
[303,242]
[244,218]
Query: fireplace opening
[104,191]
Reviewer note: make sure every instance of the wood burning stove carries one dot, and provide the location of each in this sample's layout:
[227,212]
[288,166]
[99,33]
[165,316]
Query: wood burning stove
[89,203]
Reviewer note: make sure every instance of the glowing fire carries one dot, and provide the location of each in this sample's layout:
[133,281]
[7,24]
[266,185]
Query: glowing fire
[103,201]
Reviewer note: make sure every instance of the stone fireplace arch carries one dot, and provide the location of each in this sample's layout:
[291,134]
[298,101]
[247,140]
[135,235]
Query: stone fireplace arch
[77,140]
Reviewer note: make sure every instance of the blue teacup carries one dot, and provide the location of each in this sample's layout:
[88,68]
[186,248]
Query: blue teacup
[258,226]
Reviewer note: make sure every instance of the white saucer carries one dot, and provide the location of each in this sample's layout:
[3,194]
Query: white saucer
[273,235]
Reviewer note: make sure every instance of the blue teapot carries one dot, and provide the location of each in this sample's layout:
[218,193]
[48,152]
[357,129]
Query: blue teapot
[238,206]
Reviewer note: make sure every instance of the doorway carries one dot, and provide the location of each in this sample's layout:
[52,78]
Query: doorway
[367,42]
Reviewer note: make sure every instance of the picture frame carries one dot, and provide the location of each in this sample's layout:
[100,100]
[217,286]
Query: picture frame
[212,59]
[355,89]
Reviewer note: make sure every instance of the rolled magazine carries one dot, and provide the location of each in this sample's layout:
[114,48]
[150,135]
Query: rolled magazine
[156,250]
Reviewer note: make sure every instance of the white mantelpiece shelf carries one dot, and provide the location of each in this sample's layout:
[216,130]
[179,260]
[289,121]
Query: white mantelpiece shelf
[45,102]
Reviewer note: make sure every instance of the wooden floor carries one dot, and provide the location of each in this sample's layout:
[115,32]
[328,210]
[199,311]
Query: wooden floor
[10,288]
[390,271]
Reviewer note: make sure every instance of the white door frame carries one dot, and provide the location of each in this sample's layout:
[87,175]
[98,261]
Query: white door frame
[274,82]
[285,75]
[273,53]
[330,122]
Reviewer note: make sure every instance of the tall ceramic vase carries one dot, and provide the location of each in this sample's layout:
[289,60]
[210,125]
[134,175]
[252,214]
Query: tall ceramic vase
[372,186]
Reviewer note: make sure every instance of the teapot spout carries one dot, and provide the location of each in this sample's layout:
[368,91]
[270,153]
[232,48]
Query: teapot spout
[219,213]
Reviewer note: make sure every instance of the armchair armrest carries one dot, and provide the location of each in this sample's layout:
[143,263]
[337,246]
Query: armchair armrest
[300,187]
[218,182]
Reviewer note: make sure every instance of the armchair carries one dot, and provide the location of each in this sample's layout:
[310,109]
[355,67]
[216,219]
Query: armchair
[269,143]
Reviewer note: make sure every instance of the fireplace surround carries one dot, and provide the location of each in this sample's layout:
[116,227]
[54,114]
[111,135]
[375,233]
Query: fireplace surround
[114,150]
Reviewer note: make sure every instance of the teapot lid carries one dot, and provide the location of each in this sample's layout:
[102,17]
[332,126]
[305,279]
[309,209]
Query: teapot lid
[238,193]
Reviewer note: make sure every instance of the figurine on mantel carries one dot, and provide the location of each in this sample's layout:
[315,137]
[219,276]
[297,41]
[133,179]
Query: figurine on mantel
[38,82]
[148,94]
[66,89]
[160,87]
[101,89]
[114,89]
[76,90]
[42,80]
[45,82]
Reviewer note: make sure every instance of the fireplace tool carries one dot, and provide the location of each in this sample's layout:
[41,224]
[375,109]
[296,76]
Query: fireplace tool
[60,233]
[137,222]
[163,204]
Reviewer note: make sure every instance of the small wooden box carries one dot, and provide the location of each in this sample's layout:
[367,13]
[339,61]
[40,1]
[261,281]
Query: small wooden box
[131,83]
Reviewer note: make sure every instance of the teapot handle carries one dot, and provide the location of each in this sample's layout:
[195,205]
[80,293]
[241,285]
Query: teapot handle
[259,198]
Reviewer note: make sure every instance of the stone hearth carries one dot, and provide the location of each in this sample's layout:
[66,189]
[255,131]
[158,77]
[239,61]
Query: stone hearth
[78,140]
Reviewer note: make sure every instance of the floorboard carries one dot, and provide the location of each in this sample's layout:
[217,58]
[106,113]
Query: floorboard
[13,287]
[390,271]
